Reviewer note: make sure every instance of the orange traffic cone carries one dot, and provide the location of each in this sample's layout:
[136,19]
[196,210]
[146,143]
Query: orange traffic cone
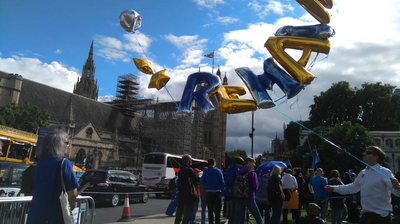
[126,216]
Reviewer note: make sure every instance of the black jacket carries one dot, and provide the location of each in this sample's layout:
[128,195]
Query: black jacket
[185,173]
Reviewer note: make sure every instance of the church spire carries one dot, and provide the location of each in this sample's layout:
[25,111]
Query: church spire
[90,58]
[87,86]
[225,80]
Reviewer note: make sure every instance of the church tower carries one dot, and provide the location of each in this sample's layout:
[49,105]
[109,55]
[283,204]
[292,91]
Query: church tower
[214,131]
[87,86]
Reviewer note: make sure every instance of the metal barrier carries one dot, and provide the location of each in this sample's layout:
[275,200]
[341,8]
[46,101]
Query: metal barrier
[14,210]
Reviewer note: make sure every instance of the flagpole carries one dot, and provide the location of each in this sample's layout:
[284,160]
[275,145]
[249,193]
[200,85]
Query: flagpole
[213,63]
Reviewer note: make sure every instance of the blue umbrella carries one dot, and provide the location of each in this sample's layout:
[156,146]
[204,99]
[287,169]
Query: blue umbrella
[267,167]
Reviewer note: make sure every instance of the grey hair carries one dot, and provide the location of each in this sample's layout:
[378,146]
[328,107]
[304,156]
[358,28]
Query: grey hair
[53,144]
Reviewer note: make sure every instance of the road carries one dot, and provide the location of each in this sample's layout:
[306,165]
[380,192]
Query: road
[105,214]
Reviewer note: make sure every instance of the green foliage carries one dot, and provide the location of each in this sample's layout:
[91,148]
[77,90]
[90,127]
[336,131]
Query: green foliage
[373,106]
[334,106]
[230,155]
[352,139]
[24,117]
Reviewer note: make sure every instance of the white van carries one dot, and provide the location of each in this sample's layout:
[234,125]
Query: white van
[11,178]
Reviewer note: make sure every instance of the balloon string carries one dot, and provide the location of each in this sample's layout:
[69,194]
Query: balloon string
[169,94]
[140,46]
[333,144]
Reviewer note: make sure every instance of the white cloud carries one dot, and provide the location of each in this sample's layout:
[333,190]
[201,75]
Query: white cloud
[137,42]
[275,7]
[209,3]
[192,48]
[58,51]
[53,74]
[227,20]
[112,54]
[111,42]
[106,98]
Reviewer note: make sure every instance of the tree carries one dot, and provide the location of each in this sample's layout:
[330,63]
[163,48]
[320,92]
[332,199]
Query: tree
[230,155]
[352,139]
[24,117]
[379,107]
[373,106]
[334,106]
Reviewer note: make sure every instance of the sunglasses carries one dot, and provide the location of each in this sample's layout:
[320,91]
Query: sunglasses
[368,152]
[67,143]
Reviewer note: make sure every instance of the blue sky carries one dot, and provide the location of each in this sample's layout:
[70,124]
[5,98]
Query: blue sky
[48,42]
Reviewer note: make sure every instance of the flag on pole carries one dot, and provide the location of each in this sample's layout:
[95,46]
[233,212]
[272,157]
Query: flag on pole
[315,159]
[288,163]
[210,55]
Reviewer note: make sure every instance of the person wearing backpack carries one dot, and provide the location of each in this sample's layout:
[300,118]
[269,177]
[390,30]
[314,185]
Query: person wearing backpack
[230,176]
[289,186]
[213,181]
[247,179]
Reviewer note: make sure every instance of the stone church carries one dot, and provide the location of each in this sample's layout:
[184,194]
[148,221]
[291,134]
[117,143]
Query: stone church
[104,135]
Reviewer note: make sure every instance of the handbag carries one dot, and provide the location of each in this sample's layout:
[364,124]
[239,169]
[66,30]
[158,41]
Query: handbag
[65,206]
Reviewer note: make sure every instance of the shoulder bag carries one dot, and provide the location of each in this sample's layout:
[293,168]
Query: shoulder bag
[65,206]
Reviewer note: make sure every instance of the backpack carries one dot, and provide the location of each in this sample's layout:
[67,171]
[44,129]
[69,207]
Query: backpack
[241,185]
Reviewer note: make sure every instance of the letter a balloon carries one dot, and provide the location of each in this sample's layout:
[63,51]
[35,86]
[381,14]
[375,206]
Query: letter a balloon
[130,20]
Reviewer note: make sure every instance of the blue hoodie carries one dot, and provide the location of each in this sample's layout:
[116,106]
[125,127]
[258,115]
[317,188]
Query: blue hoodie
[213,180]
[229,180]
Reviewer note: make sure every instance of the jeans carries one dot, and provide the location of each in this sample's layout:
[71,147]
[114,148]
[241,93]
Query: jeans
[232,210]
[195,208]
[295,215]
[184,209]
[203,211]
[264,210]
[241,211]
[277,206]
[336,216]
[214,203]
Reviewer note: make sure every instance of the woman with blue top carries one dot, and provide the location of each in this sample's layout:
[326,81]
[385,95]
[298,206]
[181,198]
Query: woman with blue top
[45,206]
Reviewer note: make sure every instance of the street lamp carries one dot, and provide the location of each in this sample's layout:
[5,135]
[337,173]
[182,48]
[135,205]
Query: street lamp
[251,135]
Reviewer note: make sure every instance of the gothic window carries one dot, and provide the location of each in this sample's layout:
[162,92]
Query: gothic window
[88,72]
[389,143]
[80,156]
[377,141]
[89,132]
[397,143]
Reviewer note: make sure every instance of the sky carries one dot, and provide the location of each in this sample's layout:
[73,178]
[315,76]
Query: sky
[48,42]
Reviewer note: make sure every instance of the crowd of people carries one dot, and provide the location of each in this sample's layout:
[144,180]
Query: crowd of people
[268,197]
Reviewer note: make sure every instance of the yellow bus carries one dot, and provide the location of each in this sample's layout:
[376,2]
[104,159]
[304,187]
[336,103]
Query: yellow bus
[18,145]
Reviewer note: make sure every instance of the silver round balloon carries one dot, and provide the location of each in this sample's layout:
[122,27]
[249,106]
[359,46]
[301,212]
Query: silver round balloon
[130,20]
